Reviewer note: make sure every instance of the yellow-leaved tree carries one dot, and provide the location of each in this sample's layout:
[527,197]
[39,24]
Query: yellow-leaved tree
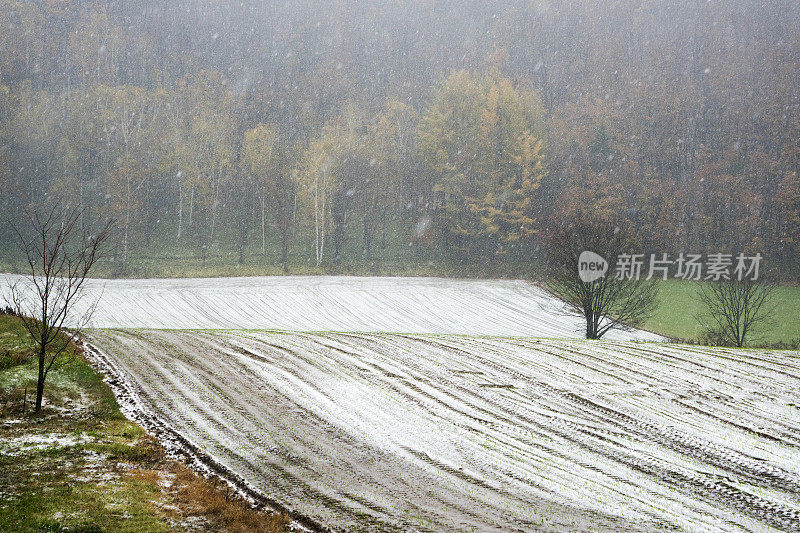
[259,161]
[481,144]
[322,176]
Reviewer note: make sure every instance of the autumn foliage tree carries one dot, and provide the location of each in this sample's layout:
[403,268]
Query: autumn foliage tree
[472,135]
[481,140]
[322,179]
[258,179]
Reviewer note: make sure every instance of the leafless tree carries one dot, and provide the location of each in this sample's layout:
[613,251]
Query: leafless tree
[59,253]
[608,302]
[735,307]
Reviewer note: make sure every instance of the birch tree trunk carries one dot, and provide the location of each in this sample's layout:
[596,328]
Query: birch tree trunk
[180,211]
[316,220]
[263,226]
[191,206]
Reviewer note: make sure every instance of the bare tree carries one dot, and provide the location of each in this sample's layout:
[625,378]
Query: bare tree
[735,308]
[59,252]
[609,301]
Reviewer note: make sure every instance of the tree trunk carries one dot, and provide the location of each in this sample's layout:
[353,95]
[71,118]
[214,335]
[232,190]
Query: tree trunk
[285,250]
[125,240]
[367,230]
[214,208]
[242,243]
[338,214]
[40,380]
[367,238]
[263,226]
[191,205]
[321,231]
[591,324]
[384,221]
[180,212]
[317,243]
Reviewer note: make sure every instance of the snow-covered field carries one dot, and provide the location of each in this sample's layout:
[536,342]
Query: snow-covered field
[439,405]
[440,432]
[328,303]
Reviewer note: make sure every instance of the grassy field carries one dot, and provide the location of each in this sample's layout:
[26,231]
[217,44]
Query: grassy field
[189,266]
[80,465]
[680,305]
[397,258]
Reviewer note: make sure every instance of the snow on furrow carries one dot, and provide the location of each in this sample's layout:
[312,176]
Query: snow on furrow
[565,471]
[668,378]
[733,398]
[684,439]
[327,303]
[645,402]
[438,432]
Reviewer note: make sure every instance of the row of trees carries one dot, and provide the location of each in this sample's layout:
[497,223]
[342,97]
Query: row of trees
[179,161]
[356,133]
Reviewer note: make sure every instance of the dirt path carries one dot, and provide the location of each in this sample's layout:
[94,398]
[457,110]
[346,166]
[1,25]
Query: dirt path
[378,431]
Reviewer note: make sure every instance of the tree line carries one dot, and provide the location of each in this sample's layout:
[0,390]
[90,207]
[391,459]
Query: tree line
[355,132]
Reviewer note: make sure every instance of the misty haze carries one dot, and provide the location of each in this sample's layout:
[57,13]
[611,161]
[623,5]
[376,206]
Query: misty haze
[399,265]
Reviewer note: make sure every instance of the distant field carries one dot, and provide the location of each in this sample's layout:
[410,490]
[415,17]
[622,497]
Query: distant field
[335,303]
[161,305]
[680,305]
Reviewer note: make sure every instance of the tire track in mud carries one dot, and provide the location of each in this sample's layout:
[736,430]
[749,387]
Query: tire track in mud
[353,514]
[728,411]
[618,457]
[647,377]
[327,345]
[775,514]
[726,407]
[349,508]
[501,424]
[297,481]
[177,445]
[414,398]
[779,516]
[385,372]
[622,368]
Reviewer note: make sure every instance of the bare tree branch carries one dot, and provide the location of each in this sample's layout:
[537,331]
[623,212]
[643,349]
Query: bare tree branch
[606,303]
[734,308]
[59,256]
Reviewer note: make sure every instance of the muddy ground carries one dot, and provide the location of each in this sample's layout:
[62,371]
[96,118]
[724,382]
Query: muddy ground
[436,432]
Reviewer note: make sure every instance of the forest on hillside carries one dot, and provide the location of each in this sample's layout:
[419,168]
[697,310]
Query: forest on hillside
[303,132]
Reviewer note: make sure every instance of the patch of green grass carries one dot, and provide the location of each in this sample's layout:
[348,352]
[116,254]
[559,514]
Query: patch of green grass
[254,265]
[70,379]
[118,450]
[13,335]
[680,305]
[60,486]
[50,505]
[80,465]
[44,489]
[14,346]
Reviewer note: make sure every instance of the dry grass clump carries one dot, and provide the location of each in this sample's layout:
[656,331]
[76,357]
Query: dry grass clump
[215,501]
